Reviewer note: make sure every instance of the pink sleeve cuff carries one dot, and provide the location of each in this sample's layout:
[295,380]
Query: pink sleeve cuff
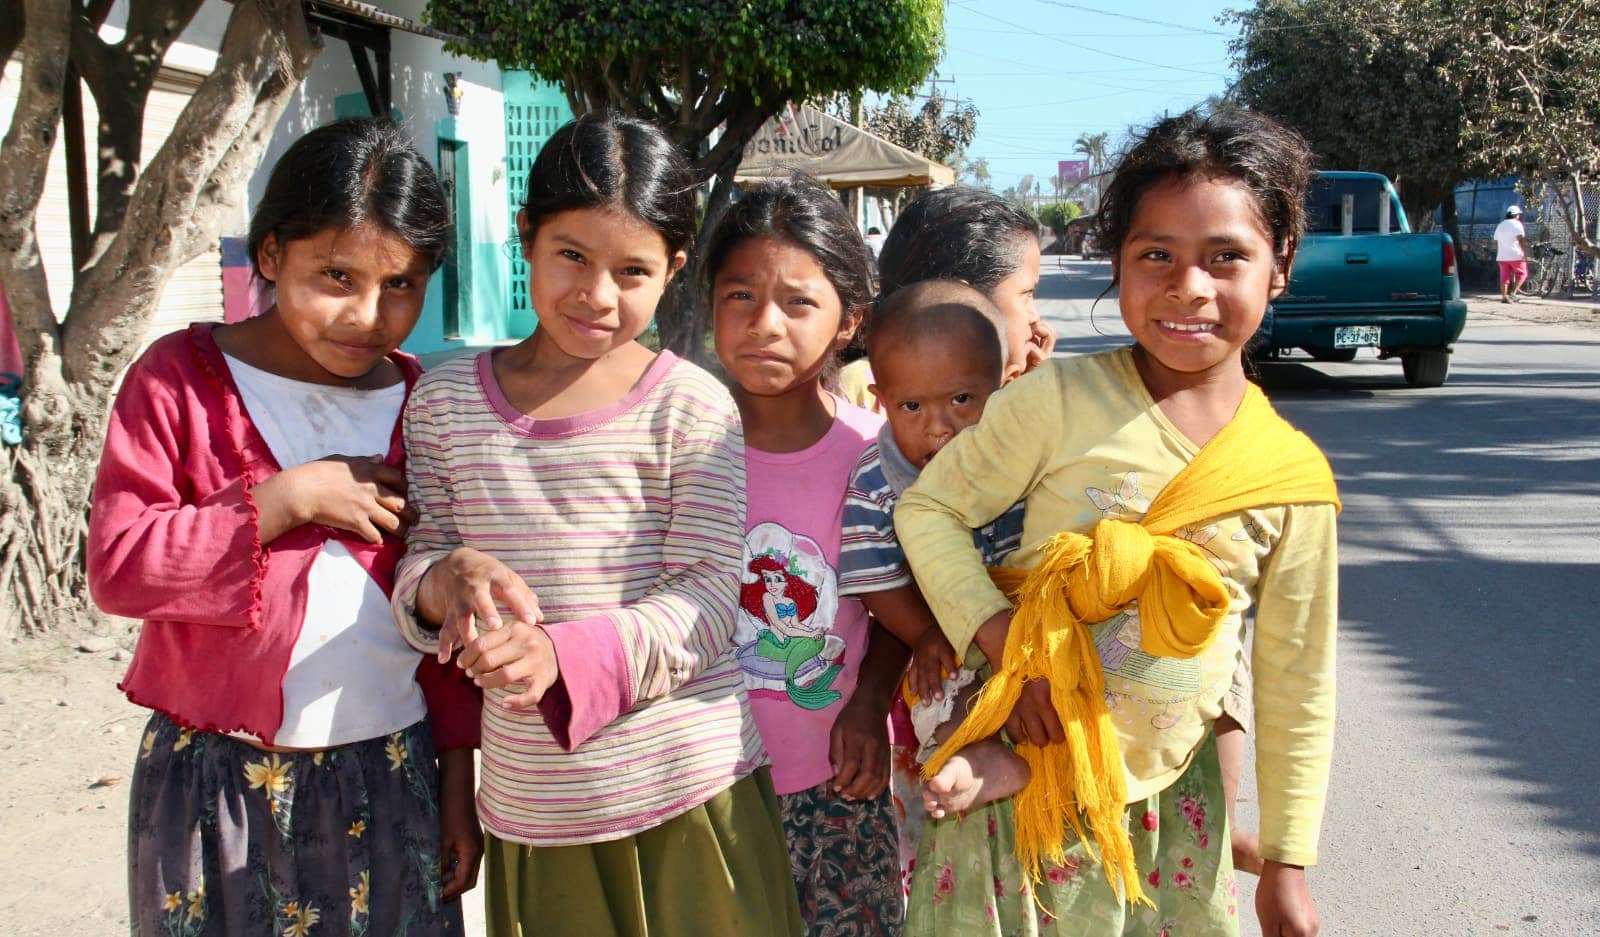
[595,686]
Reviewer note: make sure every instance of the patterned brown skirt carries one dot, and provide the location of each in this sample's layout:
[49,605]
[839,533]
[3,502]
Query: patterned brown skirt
[225,839]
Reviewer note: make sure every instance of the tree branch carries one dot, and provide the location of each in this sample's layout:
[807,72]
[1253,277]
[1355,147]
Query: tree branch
[24,163]
[120,78]
[264,39]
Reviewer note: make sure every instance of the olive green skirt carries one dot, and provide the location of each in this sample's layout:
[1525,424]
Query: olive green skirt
[720,868]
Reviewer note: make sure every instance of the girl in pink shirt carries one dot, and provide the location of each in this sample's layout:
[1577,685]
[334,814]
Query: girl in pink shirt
[789,280]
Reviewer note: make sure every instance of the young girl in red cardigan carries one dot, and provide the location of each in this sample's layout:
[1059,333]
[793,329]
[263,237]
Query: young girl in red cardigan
[248,507]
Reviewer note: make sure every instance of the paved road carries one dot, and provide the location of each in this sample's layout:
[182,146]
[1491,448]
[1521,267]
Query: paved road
[1467,769]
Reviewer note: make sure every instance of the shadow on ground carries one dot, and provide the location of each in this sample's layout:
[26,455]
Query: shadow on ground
[1501,648]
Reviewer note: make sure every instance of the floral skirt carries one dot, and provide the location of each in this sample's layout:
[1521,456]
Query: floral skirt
[719,868]
[846,864]
[968,880]
[226,840]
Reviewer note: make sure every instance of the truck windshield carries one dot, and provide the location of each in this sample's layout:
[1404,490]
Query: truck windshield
[1325,197]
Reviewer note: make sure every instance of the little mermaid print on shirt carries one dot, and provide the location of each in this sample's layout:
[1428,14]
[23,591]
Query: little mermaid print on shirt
[788,599]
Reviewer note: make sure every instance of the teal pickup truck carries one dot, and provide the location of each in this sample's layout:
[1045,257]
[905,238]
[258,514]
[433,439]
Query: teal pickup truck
[1362,279]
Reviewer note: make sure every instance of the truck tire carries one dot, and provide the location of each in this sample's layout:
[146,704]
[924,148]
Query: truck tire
[1425,368]
[1332,354]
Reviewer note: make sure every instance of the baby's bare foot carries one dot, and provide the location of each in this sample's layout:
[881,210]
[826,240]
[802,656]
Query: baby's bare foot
[982,772]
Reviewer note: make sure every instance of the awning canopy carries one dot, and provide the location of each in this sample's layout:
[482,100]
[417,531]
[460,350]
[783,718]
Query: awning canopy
[805,139]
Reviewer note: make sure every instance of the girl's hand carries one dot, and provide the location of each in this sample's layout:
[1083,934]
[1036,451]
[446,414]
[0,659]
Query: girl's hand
[1283,902]
[858,749]
[466,590]
[520,653]
[932,659]
[1034,719]
[356,493]
[460,836]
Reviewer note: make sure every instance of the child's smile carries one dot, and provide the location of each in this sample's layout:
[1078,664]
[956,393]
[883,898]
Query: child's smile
[1195,275]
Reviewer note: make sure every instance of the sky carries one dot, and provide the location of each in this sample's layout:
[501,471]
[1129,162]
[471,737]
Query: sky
[1041,72]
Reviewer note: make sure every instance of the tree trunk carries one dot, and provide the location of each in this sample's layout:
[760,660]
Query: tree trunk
[191,188]
[44,487]
[679,318]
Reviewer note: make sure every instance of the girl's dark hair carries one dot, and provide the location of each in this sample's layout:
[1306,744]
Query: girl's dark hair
[1223,143]
[604,159]
[805,213]
[359,171]
[958,233]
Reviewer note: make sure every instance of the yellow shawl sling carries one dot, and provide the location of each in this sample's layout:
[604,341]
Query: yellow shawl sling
[1257,459]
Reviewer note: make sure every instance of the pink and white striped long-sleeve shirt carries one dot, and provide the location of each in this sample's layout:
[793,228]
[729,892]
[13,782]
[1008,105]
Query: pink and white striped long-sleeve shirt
[627,523]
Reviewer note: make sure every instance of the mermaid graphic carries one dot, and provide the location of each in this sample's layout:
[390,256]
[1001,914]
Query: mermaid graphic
[787,602]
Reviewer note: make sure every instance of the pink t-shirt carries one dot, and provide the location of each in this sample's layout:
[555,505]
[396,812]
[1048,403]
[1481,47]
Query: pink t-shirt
[798,643]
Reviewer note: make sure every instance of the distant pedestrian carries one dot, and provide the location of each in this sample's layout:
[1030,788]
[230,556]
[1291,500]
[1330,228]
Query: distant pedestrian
[1511,241]
[875,240]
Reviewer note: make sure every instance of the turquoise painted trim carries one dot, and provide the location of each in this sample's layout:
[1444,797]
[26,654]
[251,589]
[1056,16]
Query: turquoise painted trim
[534,109]
[428,335]
[355,105]
[445,128]
[489,293]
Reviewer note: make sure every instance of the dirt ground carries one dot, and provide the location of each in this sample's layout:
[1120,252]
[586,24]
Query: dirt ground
[67,739]
[1584,313]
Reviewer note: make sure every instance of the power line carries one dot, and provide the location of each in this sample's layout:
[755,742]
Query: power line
[1087,48]
[1137,19]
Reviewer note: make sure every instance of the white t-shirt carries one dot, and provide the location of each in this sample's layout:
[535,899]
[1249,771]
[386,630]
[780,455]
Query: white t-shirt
[351,675]
[1505,235]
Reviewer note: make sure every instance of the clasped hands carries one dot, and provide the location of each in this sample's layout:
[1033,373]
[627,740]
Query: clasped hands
[464,593]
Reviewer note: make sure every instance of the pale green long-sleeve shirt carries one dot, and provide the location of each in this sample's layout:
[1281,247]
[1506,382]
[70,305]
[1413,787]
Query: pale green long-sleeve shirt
[1081,439]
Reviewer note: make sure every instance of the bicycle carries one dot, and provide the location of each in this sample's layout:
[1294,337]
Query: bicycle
[1583,277]
[1545,275]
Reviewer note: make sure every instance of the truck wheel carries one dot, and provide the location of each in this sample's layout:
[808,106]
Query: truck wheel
[1425,368]
[1332,354]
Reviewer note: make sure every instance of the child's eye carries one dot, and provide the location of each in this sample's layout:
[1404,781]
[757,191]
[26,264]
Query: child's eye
[803,301]
[1230,257]
[635,272]
[911,406]
[399,283]
[337,276]
[739,296]
[1155,254]
[960,399]
[571,254]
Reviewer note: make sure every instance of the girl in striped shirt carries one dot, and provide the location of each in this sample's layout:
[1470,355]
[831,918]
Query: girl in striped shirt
[581,510]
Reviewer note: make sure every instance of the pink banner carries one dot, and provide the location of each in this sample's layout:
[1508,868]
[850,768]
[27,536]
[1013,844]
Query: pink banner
[1072,170]
[10,354]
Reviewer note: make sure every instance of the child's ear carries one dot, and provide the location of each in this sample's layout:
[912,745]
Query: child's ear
[848,323]
[269,258]
[676,264]
[1281,268]
[524,231]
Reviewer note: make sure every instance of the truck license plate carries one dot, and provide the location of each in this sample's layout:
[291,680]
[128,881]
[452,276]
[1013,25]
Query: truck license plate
[1356,336]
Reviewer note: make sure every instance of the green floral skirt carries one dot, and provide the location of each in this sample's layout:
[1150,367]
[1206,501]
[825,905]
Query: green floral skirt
[967,879]
[226,840]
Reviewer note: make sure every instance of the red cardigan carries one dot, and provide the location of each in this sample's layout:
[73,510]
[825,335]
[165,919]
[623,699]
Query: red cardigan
[174,539]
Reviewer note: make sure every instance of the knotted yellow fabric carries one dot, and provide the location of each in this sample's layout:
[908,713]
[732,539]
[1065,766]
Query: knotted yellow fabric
[1256,460]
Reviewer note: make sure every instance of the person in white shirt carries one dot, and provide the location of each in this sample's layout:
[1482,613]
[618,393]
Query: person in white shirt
[1511,241]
